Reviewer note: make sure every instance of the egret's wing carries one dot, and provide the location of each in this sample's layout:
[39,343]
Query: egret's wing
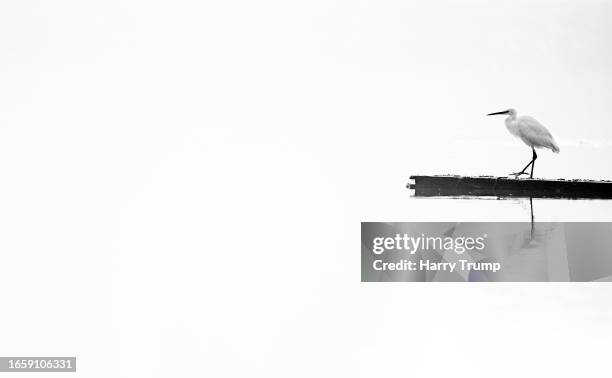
[534,134]
[530,126]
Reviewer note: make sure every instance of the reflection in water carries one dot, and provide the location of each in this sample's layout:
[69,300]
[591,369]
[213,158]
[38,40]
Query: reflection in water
[524,252]
[540,251]
[532,223]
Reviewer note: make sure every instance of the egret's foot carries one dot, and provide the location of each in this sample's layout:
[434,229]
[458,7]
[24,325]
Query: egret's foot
[517,174]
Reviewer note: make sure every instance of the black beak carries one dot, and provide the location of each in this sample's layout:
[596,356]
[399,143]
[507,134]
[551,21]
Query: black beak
[504,112]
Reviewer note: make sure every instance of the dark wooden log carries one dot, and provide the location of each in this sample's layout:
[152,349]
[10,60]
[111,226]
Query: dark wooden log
[462,186]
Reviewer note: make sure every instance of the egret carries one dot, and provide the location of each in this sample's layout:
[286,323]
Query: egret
[532,133]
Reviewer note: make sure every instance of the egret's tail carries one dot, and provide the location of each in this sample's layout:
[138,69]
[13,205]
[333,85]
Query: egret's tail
[554,147]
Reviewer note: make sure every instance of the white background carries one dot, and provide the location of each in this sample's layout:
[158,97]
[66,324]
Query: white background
[182,183]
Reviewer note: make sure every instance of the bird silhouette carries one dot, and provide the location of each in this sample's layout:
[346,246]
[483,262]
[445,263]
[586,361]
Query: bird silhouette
[532,133]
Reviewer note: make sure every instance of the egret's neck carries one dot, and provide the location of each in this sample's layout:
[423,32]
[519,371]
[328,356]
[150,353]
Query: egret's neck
[510,120]
[511,124]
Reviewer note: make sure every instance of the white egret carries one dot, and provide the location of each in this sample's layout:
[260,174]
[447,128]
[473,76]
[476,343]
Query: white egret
[531,132]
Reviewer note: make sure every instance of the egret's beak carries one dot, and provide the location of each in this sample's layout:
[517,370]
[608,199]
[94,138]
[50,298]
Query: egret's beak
[504,112]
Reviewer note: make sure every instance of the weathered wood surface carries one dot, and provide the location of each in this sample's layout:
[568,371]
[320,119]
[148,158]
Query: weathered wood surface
[461,186]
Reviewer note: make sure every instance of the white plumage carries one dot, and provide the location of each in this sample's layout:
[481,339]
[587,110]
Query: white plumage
[531,132]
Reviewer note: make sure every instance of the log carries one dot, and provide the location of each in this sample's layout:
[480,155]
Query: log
[490,186]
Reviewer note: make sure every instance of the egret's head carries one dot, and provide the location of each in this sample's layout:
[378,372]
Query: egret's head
[511,112]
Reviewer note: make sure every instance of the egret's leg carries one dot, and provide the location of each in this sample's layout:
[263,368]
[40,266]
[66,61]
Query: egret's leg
[535,156]
[522,172]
